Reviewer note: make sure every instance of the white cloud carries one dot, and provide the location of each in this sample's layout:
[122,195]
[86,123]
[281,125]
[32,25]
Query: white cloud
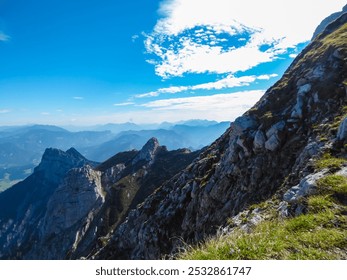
[280,24]
[243,99]
[149,94]
[134,37]
[45,113]
[173,89]
[267,77]
[78,98]
[4,37]
[124,104]
[4,111]
[293,55]
[228,82]
[192,57]
[220,107]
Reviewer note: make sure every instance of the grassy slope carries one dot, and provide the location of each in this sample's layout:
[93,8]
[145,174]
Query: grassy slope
[318,234]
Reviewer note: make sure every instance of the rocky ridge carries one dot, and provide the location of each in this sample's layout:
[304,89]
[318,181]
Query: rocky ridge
[267,152]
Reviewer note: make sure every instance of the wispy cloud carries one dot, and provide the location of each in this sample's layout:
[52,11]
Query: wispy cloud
[135,37]
[223,36]
[78,97]
[220,107]
[173,89]
[45,113]
[229,82]
[124,104]
[243,99]
[4,37]
[4,111]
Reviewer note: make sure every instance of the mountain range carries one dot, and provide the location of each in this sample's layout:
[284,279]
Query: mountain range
[272,186]
[21,148]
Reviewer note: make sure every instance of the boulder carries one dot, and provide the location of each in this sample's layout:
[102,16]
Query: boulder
[306,186]
[275,128]
[273,143]
[300,100]
[259,140]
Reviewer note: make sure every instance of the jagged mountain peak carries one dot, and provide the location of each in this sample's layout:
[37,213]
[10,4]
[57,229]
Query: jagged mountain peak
[27,200]
[151,145]
[55,163]
[54,153]
[148,151]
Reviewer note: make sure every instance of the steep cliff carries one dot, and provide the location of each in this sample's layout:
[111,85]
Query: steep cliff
[268,152]
[23,206]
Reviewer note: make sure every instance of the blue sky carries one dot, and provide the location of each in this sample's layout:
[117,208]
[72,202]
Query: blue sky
[88,62]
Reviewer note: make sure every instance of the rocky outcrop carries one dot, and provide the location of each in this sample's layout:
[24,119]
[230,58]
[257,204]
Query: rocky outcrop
[80,193]
[268,150]
[306,187]
[23,206]
[70,214]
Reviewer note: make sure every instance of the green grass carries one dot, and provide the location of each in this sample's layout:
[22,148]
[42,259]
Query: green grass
[321,233]
[333,184]
[304,237]
[330,162]
[319,203]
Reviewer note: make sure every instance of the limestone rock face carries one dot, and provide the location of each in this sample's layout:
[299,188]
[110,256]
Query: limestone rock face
[298,108]
[80,193]
[273,135]
[306,186]
[24,205]
[70,214]
[259,140]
